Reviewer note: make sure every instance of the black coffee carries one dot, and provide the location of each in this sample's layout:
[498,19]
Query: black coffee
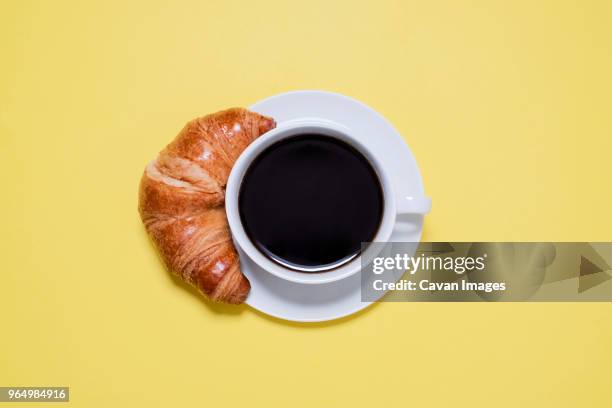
[310,201]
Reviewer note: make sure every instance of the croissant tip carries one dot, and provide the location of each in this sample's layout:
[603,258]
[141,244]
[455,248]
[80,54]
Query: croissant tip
[266,124]
[233,299]
[241,293]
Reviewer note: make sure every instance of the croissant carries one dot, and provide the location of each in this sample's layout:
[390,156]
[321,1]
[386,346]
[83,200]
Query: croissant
[181,199]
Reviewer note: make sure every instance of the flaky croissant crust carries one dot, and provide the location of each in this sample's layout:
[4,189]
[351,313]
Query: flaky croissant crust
[181,199]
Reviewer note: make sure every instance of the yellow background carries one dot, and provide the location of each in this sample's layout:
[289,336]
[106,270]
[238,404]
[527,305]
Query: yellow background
[505,104]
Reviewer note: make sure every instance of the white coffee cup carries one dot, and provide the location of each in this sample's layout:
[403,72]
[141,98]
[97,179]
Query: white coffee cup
[393,204]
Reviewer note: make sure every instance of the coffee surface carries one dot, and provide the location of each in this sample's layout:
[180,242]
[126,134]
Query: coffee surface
[310,201]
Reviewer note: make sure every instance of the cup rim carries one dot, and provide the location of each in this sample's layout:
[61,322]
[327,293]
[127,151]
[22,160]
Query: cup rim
[286,130]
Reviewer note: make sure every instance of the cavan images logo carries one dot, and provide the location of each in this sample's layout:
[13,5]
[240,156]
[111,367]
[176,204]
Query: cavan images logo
[411,264]
[463,271]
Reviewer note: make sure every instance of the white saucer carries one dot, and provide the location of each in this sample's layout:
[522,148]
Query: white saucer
[314,303]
